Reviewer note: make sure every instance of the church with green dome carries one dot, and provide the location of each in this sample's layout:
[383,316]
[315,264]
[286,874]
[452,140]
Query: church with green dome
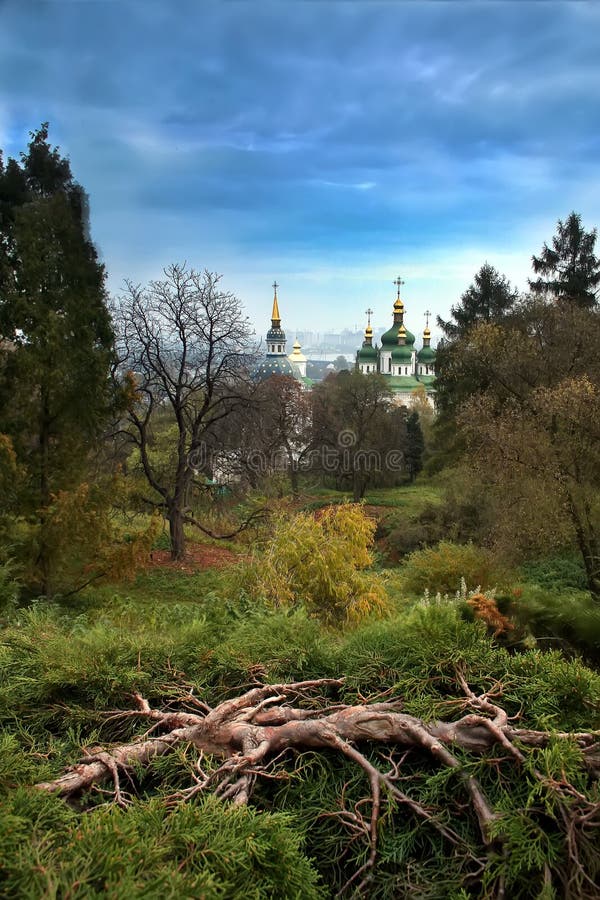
[405,368]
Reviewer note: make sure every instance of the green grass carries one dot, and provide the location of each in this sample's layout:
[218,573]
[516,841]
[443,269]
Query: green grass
[410,498]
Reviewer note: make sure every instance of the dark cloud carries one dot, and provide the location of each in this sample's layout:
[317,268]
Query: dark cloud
[314,128]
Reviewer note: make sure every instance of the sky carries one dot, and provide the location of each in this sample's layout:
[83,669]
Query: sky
[328,145]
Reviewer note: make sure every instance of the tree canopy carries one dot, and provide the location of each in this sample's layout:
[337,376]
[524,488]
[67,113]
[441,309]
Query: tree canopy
[569,270]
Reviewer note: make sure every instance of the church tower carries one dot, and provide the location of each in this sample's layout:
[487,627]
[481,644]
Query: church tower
[366,358]
[276,361]
[298,359]
[391,341]
[426,355]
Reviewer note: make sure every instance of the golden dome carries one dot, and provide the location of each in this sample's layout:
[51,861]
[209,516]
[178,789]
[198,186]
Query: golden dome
[296,355]
[398,306]
[368,331]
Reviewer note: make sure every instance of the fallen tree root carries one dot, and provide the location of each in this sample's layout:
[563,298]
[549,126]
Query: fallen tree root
[252,732]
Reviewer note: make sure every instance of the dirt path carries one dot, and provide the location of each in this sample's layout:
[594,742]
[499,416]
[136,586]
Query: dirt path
[198,556]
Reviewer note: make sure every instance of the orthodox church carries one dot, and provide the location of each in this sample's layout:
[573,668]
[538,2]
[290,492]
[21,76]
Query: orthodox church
[405,368]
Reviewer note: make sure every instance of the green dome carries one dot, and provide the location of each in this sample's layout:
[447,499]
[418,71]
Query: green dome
[367,354]
[273,365]
[401,353]
[390,338]
[426,354]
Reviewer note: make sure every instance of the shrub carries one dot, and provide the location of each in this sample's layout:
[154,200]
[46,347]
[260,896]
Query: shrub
[208,850]
[9,587]
[569,618]
[319,560]
[441,568]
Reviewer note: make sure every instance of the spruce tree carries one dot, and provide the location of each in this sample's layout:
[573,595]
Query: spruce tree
[488,299]
[569,270]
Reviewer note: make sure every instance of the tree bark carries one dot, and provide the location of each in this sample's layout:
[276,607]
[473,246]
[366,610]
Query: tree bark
[176,532]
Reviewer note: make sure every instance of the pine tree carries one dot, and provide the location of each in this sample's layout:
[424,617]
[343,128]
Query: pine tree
[569,270]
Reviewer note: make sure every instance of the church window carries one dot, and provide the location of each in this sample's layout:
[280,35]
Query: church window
[390,364]
[279,348]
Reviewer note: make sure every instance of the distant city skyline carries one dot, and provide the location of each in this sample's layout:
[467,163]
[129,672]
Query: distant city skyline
[330,146]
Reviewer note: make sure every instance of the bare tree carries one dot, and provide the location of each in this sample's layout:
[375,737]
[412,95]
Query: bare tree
[184,347]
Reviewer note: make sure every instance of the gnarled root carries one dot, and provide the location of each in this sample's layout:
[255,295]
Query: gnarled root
[252,733]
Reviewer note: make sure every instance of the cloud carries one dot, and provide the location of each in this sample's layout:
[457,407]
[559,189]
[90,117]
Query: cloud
[327,143]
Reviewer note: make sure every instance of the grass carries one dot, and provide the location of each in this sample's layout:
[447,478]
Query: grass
[410,498]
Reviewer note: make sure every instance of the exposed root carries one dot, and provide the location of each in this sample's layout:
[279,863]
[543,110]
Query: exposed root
[253,734]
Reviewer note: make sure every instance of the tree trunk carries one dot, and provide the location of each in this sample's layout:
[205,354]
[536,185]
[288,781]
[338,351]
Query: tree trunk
[292,471]
[359,486]
[44,499]
[588,547]
[176,532]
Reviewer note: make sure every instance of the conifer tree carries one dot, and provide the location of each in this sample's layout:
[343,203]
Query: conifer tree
[569,270]
[55,327]
[415,445]
[488,299]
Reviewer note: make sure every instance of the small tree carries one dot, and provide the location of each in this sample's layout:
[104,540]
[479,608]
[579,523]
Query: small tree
[186,345]
[569,270]
[282,419]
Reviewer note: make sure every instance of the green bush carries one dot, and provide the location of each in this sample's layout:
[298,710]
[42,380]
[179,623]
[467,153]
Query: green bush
[9,587]
[556,573]
[205,850]
[568,618]
[59,674]
[441,568]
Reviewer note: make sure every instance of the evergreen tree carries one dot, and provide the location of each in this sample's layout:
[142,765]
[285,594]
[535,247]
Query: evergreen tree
[569,270]
[55,326]
[488,299]
[415,445]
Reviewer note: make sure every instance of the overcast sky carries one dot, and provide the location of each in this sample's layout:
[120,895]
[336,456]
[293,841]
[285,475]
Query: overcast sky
[329,145]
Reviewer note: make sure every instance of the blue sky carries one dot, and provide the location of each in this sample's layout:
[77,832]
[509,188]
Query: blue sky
[329,145]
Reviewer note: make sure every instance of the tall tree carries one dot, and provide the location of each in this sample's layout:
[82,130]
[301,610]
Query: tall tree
[415,445]
[487,299]
[569,270]
[185,344]
[54,383]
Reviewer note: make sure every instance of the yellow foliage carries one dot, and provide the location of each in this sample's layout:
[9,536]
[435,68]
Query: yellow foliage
[78,529]
[319,559]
